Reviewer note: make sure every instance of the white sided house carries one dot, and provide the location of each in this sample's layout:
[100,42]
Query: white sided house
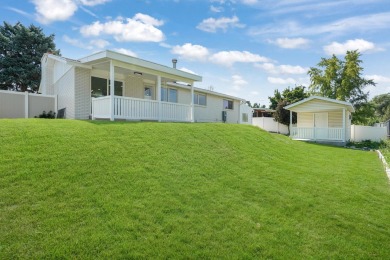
[321,119]
[142,90]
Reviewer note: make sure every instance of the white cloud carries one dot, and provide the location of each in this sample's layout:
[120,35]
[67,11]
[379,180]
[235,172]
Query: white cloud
[140,28]
[212,24]
[363,23]
[378,78]
[254,93]
[99,43]
[93,2]
[281,81]
[357,44]
[93,44]
[146,19]
[48,11]
[165,45]
[218,1]
[187,70]
[125,51]
[19,11]
[291,43]
[189,51]
[228,58]
[282,69]
[249,2]
[216,9]
[238,82]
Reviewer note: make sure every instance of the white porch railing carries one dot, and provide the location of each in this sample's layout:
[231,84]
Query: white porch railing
[101,107]
[316,133]
[140,109]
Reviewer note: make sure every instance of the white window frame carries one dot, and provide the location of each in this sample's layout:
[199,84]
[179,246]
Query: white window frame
[196,99]
[228,100]
[151,92]
[168,96]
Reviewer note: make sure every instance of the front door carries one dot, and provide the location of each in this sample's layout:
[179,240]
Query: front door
[321,125]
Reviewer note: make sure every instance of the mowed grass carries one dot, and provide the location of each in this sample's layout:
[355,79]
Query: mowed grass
[87,190]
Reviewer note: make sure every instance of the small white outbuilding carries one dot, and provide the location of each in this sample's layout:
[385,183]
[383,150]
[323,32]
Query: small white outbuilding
[321,119]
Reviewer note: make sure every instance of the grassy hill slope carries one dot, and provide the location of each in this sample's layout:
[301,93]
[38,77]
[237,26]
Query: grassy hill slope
[82,189]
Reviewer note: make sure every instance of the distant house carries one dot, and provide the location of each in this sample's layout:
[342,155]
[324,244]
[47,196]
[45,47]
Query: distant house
[263,112]
[141,90]
[321,119]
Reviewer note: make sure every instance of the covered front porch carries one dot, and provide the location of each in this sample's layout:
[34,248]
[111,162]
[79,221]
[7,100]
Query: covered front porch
[142,90]
[320,119]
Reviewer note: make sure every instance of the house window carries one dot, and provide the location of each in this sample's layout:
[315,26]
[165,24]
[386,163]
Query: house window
[118,88]
[148,93]
[245,117]
[169,95]
[227,104]
[100,87]
[200,99]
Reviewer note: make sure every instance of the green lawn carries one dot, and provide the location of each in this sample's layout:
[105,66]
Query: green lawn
[86,190]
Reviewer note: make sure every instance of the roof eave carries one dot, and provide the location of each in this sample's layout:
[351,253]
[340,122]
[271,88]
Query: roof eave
[139,62]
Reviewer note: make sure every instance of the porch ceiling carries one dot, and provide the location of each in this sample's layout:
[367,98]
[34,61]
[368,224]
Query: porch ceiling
[105,66]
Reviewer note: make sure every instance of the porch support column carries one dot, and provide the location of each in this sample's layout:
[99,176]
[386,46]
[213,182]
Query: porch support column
[159,114]
[344,127]
[290,130]
[192,103]
[112,90]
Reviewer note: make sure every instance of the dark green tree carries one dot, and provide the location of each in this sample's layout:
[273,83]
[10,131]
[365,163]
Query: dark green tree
[282,115]
[258,105]
[381,106]
[343,80]
[21,50]
[275,99]
[287,97]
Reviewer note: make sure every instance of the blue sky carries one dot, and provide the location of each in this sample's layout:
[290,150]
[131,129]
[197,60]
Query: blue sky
[245,48]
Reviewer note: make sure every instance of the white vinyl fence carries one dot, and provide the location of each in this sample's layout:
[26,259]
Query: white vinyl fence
[270,125]
[373,133]
[25,105]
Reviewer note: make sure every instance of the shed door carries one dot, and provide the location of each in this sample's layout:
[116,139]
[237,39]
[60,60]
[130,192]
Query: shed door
[321,125]
[321,120]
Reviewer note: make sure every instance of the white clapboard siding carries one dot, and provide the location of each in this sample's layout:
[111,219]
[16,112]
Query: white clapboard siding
[65,90]
[82,93]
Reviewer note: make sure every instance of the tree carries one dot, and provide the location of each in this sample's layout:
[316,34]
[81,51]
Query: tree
[287,97]
[381,106]
[275,99]
[282,115]
[342,80]
[21,50]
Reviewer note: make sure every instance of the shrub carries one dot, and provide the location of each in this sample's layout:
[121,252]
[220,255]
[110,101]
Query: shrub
[50,115]
[368,144]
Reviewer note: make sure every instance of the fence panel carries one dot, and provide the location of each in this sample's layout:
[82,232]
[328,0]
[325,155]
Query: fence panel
[270,125]
[25,105]
[373,133]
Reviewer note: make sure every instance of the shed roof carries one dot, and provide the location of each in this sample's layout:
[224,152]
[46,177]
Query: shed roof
[318,104]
